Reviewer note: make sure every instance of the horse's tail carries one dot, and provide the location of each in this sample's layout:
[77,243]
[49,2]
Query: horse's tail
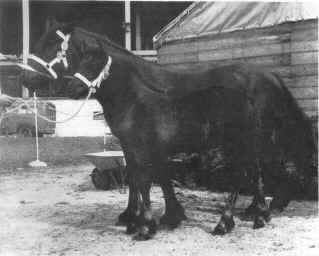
[298,138]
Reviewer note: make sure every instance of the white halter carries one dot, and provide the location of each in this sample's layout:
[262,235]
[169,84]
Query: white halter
[60,56]
[104,74]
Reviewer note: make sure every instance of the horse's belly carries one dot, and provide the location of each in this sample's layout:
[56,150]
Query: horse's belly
[194,135]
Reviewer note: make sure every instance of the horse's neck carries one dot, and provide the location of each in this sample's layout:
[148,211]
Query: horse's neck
[151,74]
[116,108]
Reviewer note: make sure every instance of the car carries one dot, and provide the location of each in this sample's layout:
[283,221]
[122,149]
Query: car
[21,121]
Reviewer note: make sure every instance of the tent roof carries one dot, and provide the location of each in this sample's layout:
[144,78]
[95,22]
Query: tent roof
[205,18]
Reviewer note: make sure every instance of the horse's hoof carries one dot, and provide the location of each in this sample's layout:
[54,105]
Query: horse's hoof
[224,227]
[124,218]
[144,234]
[266,216]
[131,228]
[278,205]
[120,223]
[249,214]
[170,222]
[259,222]
[152,226]
[220,229]
[173,220]
[250,211]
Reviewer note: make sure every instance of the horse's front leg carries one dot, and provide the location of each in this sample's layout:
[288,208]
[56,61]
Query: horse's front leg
[226,223]
[128,214]
[146,223]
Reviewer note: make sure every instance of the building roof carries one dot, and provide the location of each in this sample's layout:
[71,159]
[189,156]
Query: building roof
[205,18]
[8,60]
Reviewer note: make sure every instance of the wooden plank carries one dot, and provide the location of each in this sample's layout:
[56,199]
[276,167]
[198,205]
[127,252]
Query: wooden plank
[180,58]
[313,114]
[222,43]
[253,51]
[178,47]
[309,104]
[236,53]
[304,70]
[274,60]
[304,46]
[301,81]
[304,92]
[242,42]
[238,50]
[304,57]
[307,34]
[305,24]
[296,49]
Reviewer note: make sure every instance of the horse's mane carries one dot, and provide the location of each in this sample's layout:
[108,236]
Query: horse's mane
[154,77]
[152,74]
[105,39]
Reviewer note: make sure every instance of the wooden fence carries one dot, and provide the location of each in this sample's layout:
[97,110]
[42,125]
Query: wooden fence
[290,49]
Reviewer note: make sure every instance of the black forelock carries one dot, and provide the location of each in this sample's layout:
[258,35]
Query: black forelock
[94,60]
[50,37]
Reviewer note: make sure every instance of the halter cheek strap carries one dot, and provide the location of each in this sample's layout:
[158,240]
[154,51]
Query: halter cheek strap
[104,74]
[60,56]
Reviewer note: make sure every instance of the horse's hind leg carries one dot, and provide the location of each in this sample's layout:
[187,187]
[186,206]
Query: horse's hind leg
[251,209]
[226,223]
[262,213]
[174,211]
[133,210]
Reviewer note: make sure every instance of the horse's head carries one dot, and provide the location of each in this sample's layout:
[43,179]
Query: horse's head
[93,70]
[54,55]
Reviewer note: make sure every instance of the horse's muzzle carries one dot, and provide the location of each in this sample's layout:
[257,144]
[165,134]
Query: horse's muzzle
[76,89]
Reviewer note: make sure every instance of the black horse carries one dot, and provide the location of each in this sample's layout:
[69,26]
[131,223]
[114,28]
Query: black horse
[157,113]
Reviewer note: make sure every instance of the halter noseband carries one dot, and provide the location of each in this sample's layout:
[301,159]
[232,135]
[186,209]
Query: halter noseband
[104,74]
[60,56]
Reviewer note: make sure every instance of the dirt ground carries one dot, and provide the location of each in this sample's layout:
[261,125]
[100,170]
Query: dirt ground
[56,211]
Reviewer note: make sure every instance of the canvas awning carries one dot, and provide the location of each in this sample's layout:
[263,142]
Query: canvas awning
[205,18]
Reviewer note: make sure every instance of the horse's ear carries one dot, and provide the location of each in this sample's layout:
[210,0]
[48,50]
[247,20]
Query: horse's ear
[68,28]
[100,45]
[52,23]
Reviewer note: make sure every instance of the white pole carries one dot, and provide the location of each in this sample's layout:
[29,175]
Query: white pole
[128,25]
[36,163]
[36,124]
[138,36]
[26,39]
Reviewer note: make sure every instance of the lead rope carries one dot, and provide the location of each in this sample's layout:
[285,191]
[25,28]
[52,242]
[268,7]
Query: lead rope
[34,111]
[67,119]
[104,74]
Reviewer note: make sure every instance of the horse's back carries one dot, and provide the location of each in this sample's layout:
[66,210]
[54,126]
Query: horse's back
[242,77]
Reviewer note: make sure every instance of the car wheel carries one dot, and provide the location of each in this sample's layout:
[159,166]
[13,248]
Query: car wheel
[5,132]
[25,131]
[100,179]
